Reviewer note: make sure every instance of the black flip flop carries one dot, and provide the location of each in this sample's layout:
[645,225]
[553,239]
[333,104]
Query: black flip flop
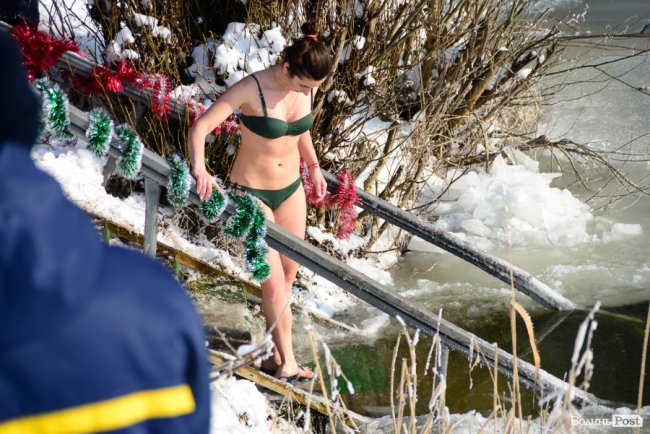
[297,378]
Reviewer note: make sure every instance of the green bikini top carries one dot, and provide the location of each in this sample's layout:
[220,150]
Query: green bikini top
[272,128]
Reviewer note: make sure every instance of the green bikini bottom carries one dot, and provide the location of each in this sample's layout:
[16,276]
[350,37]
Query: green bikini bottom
[272,198]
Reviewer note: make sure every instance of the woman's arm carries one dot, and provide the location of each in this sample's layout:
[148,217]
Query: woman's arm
[227,103]
[308,154]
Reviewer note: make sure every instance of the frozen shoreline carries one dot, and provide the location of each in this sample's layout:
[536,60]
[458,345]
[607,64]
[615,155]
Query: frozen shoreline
[80,174]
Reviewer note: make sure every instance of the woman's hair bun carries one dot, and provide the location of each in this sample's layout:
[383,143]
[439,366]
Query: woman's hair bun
[308,56]
[308,28]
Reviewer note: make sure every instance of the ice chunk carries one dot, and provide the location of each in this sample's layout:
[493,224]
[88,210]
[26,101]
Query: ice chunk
[626,229]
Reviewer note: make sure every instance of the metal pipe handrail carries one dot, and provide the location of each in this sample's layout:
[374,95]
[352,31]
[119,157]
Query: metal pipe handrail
[378,295]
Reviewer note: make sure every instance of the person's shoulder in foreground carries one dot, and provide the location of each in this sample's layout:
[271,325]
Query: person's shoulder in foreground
[94,338]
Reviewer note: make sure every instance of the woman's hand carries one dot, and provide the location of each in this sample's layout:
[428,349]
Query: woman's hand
[320,185]
[204,183]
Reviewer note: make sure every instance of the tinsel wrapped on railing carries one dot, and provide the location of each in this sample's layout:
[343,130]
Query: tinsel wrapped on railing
[40,51]
[248,223]
[344,201]
[104,78]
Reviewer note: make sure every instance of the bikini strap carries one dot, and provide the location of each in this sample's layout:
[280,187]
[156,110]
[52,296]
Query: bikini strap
[312,99]
[233,185]
[261,95]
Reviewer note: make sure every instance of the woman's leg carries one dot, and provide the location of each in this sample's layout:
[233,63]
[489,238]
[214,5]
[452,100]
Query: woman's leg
[291,215]
[274,303]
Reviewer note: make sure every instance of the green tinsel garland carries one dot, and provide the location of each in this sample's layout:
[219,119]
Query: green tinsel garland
[130,161]
[56,116]
[214,207]
[99,132]
[255,257]
[239,223]
[256,247]
[178,183]
[258,227]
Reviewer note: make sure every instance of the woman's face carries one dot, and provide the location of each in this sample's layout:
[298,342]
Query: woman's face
[302,84]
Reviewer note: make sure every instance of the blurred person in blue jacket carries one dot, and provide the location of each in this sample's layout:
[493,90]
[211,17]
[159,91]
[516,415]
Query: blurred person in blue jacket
[93,338]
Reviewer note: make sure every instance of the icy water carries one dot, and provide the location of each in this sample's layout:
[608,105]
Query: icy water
[615,271]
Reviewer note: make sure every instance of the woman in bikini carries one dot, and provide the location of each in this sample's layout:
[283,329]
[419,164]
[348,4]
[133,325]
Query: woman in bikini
[276,114]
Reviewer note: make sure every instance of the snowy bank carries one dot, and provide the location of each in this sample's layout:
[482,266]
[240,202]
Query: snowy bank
[513,203]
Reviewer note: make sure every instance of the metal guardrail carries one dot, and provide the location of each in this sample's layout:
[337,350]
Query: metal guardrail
[497,267]
[522,280]
[156,171]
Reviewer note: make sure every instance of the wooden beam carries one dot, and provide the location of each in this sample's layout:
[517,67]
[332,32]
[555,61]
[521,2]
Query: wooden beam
[303,397]
[182,258]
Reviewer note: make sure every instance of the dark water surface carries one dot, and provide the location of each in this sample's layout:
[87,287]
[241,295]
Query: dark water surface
[617,345]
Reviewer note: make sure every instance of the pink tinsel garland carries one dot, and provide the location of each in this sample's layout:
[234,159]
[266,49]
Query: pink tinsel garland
[40,51]
[344,200]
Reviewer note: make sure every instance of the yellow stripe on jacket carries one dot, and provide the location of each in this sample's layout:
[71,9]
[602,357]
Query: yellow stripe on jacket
[108,415]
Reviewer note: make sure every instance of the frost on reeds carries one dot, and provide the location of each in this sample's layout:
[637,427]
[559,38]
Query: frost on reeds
[337,413]
[404,390]
[564,407]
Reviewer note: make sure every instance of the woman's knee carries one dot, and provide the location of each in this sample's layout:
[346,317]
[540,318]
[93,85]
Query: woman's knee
[288,282]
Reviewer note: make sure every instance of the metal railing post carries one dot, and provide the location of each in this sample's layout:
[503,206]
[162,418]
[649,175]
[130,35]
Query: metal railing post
[152,198]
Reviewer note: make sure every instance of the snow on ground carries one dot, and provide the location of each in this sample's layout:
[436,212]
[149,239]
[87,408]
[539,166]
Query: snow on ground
[513,202]
[593,420]
[237,406]
[79,172]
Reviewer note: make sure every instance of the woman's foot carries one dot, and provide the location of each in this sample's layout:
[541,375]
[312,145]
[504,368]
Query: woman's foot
[299,374]
[269,367]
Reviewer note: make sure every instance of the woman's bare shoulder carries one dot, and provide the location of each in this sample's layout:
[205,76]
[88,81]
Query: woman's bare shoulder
[243,85]
[241,92]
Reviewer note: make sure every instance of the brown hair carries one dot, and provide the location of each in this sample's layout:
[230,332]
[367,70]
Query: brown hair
[307,56]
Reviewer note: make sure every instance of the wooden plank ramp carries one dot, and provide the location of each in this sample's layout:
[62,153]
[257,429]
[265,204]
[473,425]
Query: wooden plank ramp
[316,402]
[253,291]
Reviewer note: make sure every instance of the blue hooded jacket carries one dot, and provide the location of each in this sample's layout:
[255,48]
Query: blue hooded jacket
[92,338]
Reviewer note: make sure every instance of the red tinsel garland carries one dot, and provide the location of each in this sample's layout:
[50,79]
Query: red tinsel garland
[344,200]
[195,109]
[161,97]
[40,51]
[310,194]
[103,79]
[231,125]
